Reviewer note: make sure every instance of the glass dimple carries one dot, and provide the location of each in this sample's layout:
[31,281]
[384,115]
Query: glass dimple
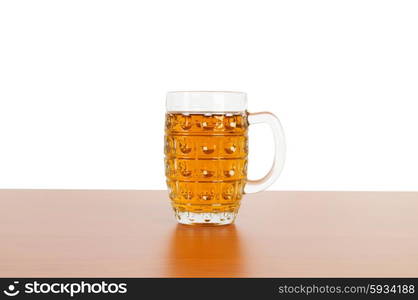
[185,148]
[230,148]
[187,195]
[230,123]
[182,167]
[208,149]
[244,169]
[206,196]
[207,123]
[186,122]
[229,173]
[228,192]
[207,173]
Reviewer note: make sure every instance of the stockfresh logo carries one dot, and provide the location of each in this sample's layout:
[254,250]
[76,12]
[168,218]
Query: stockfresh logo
[12,289]
[71,288]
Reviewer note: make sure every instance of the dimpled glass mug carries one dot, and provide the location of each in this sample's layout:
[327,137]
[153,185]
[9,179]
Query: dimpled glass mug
[206,150]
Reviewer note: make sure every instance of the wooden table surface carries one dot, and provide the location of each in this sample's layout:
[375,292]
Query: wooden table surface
[72,233]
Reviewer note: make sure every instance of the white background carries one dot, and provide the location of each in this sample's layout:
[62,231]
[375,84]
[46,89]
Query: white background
[83,83]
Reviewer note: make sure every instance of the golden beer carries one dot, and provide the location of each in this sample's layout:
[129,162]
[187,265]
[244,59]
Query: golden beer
[206,164]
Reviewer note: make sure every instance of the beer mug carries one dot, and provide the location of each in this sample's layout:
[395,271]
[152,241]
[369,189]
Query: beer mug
[206,151]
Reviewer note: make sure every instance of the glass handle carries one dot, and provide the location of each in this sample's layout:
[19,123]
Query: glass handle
[261,184]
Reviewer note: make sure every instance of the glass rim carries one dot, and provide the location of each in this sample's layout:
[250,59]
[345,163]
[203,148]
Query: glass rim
[206,101]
